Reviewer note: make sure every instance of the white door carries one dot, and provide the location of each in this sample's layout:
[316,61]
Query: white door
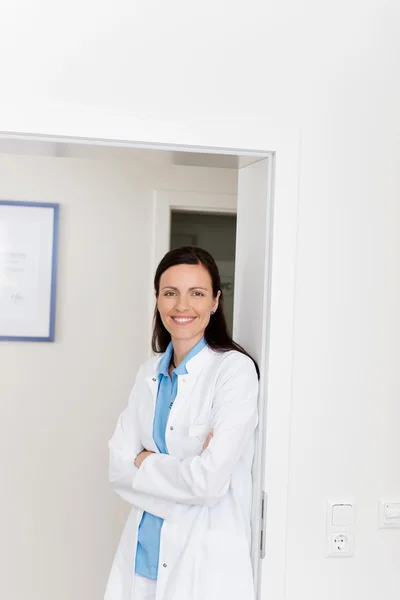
[251,306]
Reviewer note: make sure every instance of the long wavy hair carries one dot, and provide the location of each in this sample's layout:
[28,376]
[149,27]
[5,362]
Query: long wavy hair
[216,333]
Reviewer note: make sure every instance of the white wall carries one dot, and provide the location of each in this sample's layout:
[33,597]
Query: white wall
[172,72]
[59,520]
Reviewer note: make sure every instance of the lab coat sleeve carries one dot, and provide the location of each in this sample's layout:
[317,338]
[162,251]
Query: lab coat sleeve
[205,479]
[124,446]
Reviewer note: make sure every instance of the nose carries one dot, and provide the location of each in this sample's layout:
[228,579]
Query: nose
[182,304]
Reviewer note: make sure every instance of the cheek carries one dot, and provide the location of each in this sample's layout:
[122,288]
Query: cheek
[164,307]
[205,312]
[161,306]
[163,312]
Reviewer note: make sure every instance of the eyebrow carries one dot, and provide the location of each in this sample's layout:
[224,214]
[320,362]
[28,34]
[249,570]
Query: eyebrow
[171,287]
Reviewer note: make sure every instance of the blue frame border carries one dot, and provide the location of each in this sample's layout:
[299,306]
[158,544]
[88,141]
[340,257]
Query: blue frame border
[56,215]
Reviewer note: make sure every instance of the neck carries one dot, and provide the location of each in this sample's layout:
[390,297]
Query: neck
[182,348]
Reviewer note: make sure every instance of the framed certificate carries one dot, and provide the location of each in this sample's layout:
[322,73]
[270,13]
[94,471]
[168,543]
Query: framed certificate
[28,269]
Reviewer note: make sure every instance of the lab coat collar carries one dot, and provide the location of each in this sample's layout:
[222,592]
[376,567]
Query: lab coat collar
[197,362]
[165,361]
[181,369]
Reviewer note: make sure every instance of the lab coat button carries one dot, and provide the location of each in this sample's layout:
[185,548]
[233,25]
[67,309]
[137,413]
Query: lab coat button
[154,379]
[165,564]
[171,428]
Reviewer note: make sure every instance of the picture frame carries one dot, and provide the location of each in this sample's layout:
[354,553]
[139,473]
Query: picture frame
[28,270]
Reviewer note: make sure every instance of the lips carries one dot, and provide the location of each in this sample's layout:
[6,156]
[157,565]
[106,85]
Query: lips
[183,320]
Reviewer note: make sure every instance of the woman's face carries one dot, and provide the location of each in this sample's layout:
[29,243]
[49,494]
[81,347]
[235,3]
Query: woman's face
[185,301]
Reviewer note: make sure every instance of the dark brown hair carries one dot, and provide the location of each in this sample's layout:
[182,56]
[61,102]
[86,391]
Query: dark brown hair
[216,334]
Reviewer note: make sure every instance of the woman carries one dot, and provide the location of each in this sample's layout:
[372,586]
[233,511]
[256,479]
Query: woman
[182,450]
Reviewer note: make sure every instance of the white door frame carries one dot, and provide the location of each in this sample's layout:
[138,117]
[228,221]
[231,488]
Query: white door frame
[165,201]
[121,130]
[252,311]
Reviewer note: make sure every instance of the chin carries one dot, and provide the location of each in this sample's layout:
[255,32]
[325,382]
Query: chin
[185,335]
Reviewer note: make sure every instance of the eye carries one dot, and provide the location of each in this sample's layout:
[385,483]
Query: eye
[197,294]
[170,293]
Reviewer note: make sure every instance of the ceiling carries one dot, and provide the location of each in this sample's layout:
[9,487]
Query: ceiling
[94,150]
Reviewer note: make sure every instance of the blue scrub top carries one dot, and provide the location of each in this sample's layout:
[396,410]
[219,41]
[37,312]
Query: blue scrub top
[148,548]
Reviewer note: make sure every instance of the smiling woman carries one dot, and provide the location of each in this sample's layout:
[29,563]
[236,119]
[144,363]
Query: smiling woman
[185,309]
[183,449]
[190,277]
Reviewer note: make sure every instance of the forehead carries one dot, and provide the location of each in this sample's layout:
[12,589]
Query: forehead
[186,276]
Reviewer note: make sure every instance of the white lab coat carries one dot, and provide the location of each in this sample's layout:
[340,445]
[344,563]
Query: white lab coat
[203,496]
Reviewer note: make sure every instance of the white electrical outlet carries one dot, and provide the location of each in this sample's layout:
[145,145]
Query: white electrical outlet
[340,526]
[341,544]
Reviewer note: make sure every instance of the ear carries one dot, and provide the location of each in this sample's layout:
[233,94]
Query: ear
[216,301]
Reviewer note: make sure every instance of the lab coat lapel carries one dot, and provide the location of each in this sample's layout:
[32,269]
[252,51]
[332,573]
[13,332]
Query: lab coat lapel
[187,381]
[152,385]
[185,389]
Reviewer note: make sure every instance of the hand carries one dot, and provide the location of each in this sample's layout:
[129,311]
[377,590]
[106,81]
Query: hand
[141,456]
[208,439]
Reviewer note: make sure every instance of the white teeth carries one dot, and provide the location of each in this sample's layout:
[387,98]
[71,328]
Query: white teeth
[182,320]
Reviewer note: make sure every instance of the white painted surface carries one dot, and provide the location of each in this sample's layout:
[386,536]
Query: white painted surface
[167,200]
[271,70]
[16,145]
[59,520]
[252,308]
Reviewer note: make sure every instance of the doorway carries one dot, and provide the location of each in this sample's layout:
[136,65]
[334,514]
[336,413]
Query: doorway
[216,233]
[253,273]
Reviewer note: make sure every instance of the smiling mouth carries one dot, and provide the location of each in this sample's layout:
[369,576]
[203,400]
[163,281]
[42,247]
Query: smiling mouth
[183,320]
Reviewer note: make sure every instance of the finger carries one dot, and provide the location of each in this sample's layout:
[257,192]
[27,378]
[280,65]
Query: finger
[208,440]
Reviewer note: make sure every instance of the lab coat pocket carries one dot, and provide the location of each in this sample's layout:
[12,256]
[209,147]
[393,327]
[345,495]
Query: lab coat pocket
[227,566]
[196,436]
[200,431]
